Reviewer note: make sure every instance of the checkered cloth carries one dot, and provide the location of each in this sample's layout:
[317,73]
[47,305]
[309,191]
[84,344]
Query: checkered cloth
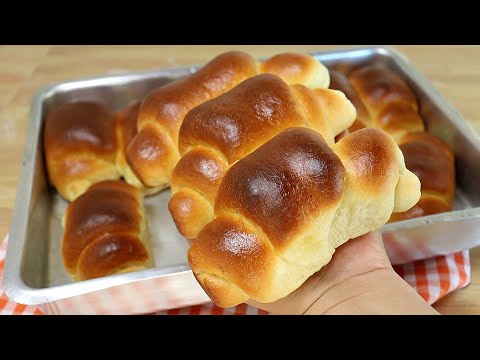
[431,278]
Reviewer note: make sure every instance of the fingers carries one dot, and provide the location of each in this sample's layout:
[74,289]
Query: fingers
[374,237]
[357,256]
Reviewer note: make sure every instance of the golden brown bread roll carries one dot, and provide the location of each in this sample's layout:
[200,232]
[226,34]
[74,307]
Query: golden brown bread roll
[80,147]
[153,153]
[126,125]
[392,107]
[282,210]
[220,132]
[391,104]
[382,98]
[104,232]
[432,160]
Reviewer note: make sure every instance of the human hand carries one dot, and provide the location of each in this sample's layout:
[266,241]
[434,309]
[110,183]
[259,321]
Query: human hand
[358,280]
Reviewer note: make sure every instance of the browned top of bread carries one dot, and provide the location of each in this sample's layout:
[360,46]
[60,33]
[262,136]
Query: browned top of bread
[172,101]
[80,146]
[102,230]
[270,193]
[367,154]
[230,123]
[81,126]
[382,98]
[397,117]
[200,169]
[380,86]
[256,110]
[427,205]
[240,251]
[388,103]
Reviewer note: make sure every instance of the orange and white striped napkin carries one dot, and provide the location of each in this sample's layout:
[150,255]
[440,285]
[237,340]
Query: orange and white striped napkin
[432,278]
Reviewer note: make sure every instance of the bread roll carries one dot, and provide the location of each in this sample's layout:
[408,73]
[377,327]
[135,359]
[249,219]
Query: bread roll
[383,100]
[297,68]
[432,160]
[126,125]
[80,147]
[281,211]
[153,153]
[220,132]
[104,232]
[391,104]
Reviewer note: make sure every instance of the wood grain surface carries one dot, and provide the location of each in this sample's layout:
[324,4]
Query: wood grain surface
[454,70]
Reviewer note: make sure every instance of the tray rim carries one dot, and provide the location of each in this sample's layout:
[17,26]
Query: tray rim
[18,291]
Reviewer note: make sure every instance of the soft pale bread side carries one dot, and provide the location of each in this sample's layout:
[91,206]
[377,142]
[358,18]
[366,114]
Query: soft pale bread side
[220,132]
[80,147]
[282,210]
[153,153]
[382,98]
[104,232]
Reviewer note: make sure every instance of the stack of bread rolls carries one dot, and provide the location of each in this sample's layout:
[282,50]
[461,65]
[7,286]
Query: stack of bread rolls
[87,143]
[264,193]
[220,132]
[153,152]
[105,232]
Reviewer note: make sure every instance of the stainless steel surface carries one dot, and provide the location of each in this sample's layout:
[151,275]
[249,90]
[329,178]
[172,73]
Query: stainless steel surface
[34,272]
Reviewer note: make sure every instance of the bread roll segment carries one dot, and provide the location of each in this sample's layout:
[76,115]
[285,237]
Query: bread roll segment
[339,81]
[153,153]
[382,98]
[282,210]
[80,147]
[221,131]
[104,232]
[126,126]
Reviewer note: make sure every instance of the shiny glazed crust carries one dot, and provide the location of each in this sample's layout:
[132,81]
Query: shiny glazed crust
[281,211]
[104,232]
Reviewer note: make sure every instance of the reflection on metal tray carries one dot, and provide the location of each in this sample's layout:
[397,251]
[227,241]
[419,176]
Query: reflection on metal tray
[34,272]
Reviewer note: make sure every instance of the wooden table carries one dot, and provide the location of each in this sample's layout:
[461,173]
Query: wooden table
[454,70]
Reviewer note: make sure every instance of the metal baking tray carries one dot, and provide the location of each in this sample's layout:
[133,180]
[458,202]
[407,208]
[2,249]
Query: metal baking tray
[34,272]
